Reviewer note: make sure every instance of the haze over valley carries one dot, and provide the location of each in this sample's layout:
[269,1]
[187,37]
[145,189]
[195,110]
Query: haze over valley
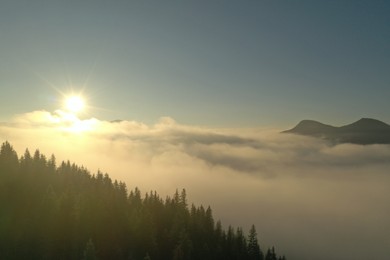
[289,186]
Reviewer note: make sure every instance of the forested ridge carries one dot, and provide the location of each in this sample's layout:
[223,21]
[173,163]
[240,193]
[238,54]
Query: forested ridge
[51,211]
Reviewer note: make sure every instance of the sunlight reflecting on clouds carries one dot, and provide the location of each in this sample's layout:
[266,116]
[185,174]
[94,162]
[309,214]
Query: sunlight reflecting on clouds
[70,122]
[293,186]
[80,126]
[59,120]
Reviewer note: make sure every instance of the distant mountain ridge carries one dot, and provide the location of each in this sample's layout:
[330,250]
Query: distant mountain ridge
[364,131]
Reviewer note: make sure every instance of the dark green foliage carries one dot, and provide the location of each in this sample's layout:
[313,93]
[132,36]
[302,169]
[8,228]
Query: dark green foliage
[271,255]
[253,245]
[90,252]
[64,212]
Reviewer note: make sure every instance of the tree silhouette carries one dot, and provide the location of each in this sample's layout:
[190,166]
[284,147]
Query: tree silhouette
[90,251]
[253,245]
[49,212]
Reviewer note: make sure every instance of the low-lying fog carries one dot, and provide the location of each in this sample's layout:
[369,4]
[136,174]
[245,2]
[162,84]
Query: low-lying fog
[308,199]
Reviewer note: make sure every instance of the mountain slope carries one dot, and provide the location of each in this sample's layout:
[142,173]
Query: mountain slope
[363,131]
[64,212]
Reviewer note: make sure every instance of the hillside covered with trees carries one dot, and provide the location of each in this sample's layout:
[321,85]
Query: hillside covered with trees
[51,211]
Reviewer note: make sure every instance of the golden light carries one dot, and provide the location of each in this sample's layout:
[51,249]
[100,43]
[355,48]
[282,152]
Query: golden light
[74,104]
[68,119]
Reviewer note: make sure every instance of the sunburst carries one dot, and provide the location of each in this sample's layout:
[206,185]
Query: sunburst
[74,104]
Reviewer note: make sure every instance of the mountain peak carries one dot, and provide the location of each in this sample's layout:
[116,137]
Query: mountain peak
[363,131]
[368,123]
[309,123]
[309,127]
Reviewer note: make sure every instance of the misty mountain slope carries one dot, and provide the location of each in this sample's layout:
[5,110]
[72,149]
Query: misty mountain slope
[364,131]
[64,212]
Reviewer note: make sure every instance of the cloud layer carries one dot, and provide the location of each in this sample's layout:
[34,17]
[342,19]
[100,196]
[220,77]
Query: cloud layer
[311,200]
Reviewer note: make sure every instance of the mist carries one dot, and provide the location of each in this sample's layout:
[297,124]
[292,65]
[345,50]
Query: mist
[309,199]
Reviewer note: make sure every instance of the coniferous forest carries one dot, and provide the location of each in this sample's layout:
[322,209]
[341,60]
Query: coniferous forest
[51,211]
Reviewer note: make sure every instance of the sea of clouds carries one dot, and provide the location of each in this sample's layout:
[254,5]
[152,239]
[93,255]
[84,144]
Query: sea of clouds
[310,199]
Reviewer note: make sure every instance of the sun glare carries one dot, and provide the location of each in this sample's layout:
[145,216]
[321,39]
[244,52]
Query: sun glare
[68,117]
[74,104]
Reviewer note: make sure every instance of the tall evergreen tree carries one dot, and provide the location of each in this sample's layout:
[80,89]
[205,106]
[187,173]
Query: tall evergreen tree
[9,162]
[90,251]
[254,250]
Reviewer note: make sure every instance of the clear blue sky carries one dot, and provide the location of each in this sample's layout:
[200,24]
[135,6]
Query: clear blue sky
[217,63]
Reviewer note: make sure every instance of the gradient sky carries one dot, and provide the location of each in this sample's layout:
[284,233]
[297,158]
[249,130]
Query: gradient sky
[217,63]
[220,69]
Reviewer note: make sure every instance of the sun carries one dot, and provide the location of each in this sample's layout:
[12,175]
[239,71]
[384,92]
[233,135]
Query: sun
[74,104]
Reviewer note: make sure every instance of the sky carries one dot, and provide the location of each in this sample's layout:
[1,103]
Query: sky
[211,63]
[200,91]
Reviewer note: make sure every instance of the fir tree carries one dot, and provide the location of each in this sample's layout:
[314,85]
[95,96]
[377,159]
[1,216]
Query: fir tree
[89,251]
[253,245]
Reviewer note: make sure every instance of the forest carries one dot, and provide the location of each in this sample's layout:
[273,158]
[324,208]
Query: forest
[51,211]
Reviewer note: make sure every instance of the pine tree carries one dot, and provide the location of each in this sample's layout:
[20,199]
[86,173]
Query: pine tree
[183,198]
[9,162]
[52,163]
[253,245]
[90,251]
